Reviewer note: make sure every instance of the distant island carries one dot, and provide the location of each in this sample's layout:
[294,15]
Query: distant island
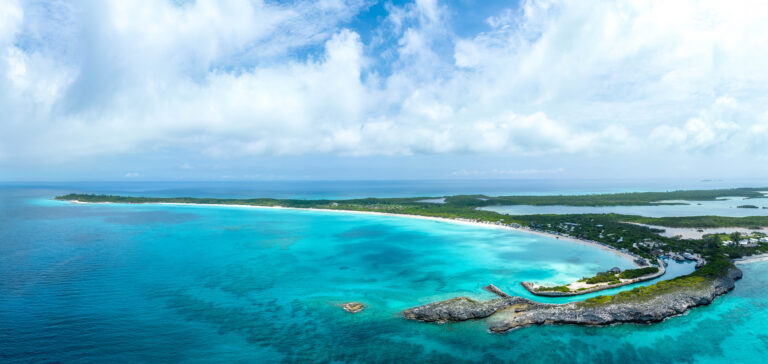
[625,234]
[747,207]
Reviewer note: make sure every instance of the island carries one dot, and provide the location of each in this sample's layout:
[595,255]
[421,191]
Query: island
[601,281]
[637,237]
[747,207]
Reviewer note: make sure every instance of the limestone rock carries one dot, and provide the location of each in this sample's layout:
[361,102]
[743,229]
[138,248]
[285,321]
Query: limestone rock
[353,307]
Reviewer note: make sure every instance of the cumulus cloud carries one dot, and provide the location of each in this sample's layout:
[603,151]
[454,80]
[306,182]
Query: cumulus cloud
[726,126]
[11,16]
[237,77]
[626,65]
[507,172]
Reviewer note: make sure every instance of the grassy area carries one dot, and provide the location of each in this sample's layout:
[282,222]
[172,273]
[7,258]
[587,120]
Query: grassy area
[637,273]
[553,289]
[716,267]
[602,277]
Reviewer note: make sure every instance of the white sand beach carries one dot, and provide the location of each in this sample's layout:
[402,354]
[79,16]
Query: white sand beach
[751,259]
[432,218]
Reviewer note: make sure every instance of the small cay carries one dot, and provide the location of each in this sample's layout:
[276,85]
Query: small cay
[353,307]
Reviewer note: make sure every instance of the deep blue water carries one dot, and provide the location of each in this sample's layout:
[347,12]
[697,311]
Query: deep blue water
[159,283]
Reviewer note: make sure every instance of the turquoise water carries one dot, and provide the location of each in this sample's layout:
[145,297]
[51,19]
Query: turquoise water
[361,189]
[722,207]
[144,283]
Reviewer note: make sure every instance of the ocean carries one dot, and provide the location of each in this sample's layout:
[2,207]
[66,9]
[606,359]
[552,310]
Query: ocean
[162,283]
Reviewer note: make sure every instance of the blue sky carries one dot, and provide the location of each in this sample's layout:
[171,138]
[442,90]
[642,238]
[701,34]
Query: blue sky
[355,89]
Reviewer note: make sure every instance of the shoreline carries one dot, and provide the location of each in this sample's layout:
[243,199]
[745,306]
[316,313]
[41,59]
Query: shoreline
[751,259]
[422,217]
[531,287]
[505,314]
[694,233]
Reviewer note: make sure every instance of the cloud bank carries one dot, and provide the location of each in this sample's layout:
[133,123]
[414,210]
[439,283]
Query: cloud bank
[237,78]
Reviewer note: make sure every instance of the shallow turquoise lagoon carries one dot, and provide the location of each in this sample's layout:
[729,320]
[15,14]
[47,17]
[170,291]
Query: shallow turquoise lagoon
[720,207]
[158,283]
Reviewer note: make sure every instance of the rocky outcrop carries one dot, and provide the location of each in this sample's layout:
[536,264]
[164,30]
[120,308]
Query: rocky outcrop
[464,308]
[353,307]
[514,312]
[653,309]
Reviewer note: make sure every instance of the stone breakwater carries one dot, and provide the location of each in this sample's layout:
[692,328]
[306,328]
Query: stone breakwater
[515,312]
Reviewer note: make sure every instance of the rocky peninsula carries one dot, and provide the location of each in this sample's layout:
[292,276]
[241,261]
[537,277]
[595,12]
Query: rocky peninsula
[641,305]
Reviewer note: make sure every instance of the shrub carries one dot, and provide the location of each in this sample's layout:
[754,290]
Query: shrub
[602,277]
[635,273]
[555,288]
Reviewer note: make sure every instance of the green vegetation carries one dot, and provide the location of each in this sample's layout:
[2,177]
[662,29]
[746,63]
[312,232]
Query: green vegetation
[614,199]
[716,267]
[613,278]
[555,289]
[699,221]
[404,206]
[465,201]
[736,250]
[602,277]
[747,207]
[637,273]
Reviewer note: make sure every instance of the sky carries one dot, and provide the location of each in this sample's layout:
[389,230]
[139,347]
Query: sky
[358,89]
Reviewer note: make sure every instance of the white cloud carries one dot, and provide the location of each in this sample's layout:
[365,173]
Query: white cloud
[696,134]
[35,78]
[507,172]
[628,67]
[726,126]
[11,16]
[219,78]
